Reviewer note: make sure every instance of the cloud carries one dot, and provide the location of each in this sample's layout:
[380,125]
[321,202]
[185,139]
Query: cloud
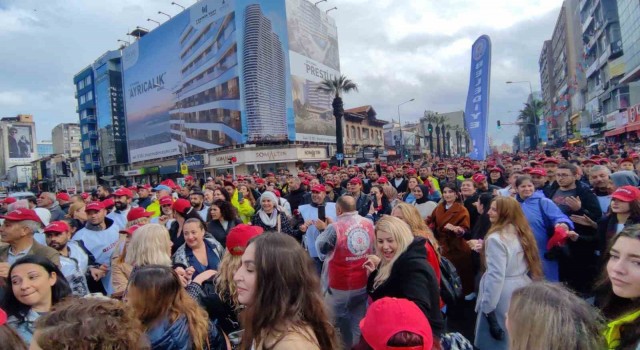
[394,50]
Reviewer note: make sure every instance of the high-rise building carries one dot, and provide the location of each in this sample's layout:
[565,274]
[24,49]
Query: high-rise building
[86,109]
[545,65]
[628,14]
[264,78]
[17,139]
[101,114]
[66,139]
[603,62]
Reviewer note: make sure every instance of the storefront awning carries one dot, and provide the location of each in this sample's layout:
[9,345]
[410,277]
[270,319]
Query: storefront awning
[633,127]
[614,132]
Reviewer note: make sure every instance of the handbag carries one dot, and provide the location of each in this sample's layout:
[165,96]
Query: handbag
[450,282]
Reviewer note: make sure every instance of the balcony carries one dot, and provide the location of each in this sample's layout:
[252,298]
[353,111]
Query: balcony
[93,135]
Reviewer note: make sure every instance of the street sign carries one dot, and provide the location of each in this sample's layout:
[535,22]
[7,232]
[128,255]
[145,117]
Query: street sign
[184,169]
[339,156]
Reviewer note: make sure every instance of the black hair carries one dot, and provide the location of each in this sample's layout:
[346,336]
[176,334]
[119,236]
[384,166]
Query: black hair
[227,196]
[32,199]
[227,210]
[59,290]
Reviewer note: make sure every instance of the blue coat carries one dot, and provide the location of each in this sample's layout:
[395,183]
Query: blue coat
[534,208]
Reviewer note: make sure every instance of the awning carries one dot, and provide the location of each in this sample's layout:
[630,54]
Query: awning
[614,132]
[633,127]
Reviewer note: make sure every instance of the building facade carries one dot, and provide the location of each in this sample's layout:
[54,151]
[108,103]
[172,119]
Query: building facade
[86,109]
[628,14]
[547,83]
[66,140]
[363,132]
[45,148]
[17,139]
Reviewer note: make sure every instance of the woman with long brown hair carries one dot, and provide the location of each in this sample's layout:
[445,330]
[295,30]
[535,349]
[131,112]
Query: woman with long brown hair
[278,284]
[512,261]
[170,317]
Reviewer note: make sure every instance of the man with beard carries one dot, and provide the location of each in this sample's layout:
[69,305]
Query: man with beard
[441,174]
[586,166]
[122,200]
[184,192]
[144,196]
[104,192]
[399,182]
[352,172]
[74,261]
[295,197]
[261,187]
[426,174]
[197,202]
[189,181]
[48,201]
[600,181]
[482,184]
[100,238]
[371,178]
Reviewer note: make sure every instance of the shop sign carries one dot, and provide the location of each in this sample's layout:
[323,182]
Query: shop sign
[611,121]
[633,114]
[134,172]
[312,153]
[151,170]
[195,162]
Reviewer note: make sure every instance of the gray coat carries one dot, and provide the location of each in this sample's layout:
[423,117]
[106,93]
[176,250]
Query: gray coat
[506,271]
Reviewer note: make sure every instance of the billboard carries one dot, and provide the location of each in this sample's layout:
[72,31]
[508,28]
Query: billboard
[313,55]
[220,74]
[20,143]
[477,107]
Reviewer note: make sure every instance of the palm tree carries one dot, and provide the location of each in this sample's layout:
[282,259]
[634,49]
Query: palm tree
[529,118]
[431,118]
[337,86]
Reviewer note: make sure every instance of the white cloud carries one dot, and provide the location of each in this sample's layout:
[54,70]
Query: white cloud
[10,98]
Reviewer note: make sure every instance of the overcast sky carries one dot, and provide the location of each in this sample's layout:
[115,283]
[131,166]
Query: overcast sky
[394,50]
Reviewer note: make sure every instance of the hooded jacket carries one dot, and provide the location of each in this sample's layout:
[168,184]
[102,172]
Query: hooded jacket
[412,278]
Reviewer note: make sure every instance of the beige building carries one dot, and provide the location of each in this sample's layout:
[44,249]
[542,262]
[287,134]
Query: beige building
[362,131]
[18,142]
[66,139]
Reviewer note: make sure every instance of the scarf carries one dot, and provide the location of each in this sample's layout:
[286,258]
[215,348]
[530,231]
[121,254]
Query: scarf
[269,220]
[425,194]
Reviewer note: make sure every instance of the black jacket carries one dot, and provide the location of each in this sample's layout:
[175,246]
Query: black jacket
[413,278]
[219,233]
[296,198]
[400,188]
[363,204]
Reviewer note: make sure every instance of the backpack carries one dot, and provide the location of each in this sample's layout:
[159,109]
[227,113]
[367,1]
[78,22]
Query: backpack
[450,282]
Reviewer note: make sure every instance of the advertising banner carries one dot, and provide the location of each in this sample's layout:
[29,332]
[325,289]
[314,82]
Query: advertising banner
[313,56]
[477,107]
[20,143]
[215,75]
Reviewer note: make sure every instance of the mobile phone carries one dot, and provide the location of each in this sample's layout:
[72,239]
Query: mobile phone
[547,153]
[240,196]
[321,213]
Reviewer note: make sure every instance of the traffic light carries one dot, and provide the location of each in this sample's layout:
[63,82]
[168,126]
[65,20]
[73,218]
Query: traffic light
[430,128]
[232,160]
[499,125]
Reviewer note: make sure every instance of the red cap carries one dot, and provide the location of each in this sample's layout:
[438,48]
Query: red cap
[169,183]
[9,200]
[478,178]
[382,180]
[229,183]
[626,193]
[3,317]
[390,169]
[95,206]
[318,188]
[476,167]
[550,160]
[57,226]
[63,196]
[108,203]
[276,192]
[538,171]
[498,169]
[635,156]
[188,178]
[85,195]
[324,165]
[23,214]
[137,213]
[388,316]
[411,171]
[604,161]
[239,237]
[626,160]
[145,186]
[335,168]
[270,174]
[133,189]
[130,230]
[305,182]
[123,192]
[166,200]
[329,183]
[589,161]
[355,181]
[182,206]
[260,180]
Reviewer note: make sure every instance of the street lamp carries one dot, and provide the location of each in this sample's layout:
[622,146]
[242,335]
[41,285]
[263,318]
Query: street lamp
[166,14]
[123,41]
[333,8]
[175,3]
[153,20]
[317,2]
[400,122]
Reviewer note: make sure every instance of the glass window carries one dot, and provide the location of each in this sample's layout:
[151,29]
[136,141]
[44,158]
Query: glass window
[82,99]
[81,85]
[87,80]
[89,95]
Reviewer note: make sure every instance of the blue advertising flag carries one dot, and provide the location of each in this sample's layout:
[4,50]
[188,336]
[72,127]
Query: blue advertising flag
[477,107]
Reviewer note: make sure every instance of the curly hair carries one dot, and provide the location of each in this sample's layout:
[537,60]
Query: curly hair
[112,325]
[225,286]
[227,210]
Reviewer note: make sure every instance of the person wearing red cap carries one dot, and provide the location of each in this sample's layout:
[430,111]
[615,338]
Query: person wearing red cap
[64,200]
[99,237]
[363,202]
[122,199]
[538,178]
[74,260]
[627,164]
[48,201]
[221,301]
[392,323]
[17,231]
[346,242]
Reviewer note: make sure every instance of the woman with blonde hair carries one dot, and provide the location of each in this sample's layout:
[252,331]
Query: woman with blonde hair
[410,214]
[147,245]
[547,315]
[512,261]
[400,270]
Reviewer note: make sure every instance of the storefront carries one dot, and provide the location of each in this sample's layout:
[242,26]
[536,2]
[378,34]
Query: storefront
[264,160]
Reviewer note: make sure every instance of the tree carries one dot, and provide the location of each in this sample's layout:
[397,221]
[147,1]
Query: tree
[529,118]
[337,86]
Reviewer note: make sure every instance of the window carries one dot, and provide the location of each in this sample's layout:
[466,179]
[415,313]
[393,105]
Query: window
[81,85]
[82,99]
[89,95]
[87,80]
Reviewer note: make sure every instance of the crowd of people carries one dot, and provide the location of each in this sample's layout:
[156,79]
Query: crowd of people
[545,247]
